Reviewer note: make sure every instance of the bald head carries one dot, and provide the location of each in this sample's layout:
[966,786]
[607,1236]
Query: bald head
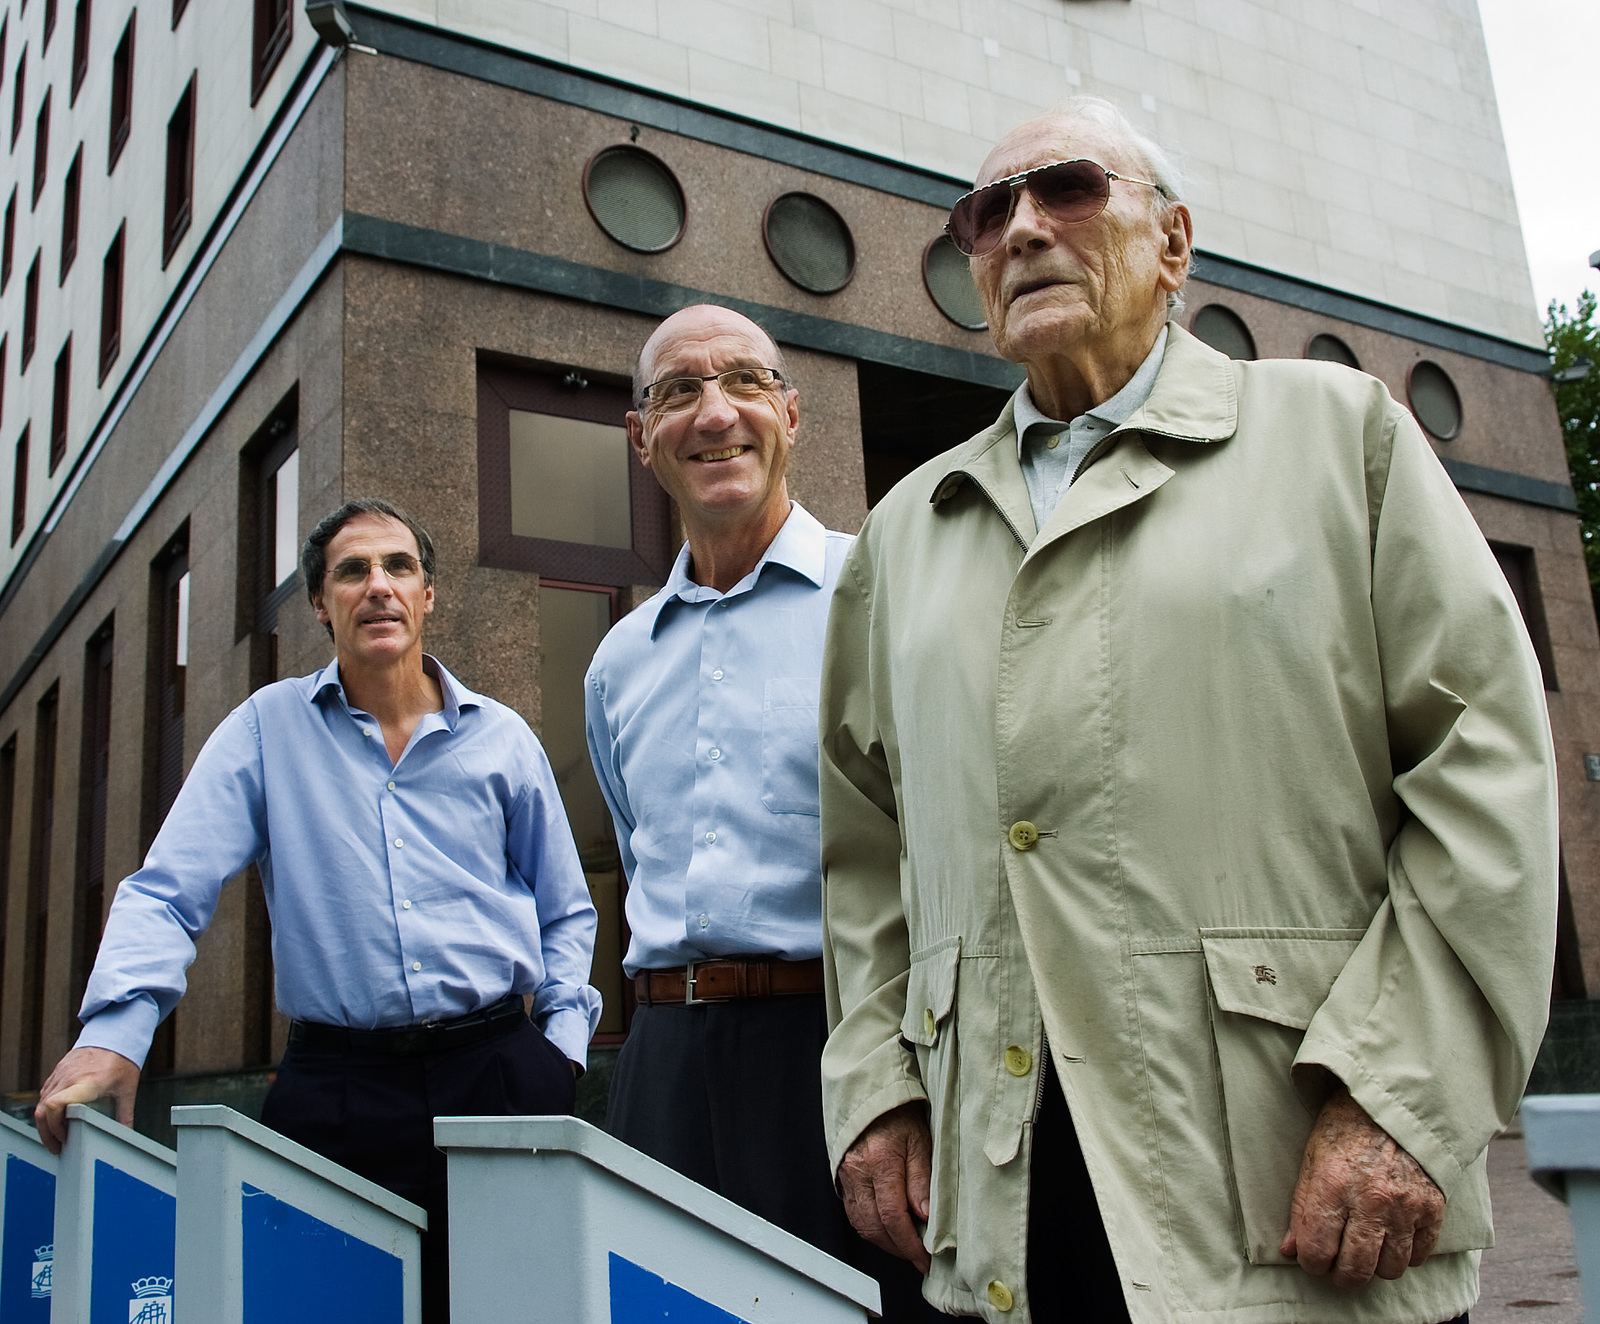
[701,321]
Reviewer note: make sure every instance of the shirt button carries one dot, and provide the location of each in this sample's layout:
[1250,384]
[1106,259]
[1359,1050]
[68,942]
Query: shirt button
[1000,1296]
[1023,835]
[715,755]
[705,921]
[949,487]
[416,965]
[710,838]
[1054,441]
[930,1026]
[405,905]
[391,786]
[398,844]
[366,731]
[1019,1061]
[717,674]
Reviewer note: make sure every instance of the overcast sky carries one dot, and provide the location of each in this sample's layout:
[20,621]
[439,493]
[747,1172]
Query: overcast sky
[1546,60]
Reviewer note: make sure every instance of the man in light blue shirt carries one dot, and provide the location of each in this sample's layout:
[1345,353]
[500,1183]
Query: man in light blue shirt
[420,875]
[702,723]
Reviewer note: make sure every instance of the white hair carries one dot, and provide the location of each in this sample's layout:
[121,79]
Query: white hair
[1158,162]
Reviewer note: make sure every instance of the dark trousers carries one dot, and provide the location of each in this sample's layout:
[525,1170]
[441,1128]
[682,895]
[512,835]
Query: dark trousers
[1064,1229]
[730,1095]
[373,1113]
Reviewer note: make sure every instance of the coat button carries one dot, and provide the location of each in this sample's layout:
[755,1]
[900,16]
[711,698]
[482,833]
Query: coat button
[1019,1061]
[1000,1296]
[949,487]
[930,1026]
[1023,835]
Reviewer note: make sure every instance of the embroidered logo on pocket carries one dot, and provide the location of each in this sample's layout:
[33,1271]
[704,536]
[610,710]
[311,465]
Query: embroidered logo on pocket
[1265,974]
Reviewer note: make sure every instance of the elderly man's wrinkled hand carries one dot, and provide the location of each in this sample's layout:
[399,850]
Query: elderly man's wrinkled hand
[82,1076]
[1362,1206]
[884,1180]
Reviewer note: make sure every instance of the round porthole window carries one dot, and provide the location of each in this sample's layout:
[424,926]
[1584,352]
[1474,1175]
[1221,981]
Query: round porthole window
[1434,400]
[809,242]
[1332,350]
[634,198]
[949,282]
[1223,330]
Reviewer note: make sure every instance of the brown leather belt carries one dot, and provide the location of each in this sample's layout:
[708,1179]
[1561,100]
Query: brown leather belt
[728,979]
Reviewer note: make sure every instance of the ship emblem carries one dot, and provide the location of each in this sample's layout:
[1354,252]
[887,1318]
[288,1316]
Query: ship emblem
[152,1301]
[44,1259]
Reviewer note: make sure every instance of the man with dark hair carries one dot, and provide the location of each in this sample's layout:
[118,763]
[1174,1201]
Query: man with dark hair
[421,879]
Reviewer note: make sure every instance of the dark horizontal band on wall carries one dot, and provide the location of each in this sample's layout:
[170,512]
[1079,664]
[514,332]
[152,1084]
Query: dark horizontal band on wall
[1241,276]
[440,48]
[1514,487]
[397,242]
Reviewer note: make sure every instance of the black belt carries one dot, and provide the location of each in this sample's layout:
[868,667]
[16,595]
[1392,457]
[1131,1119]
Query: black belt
[486,1023]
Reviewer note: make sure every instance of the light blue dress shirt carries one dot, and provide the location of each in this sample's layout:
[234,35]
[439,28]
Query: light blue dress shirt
[399,893]
[1051,451]
[702,723]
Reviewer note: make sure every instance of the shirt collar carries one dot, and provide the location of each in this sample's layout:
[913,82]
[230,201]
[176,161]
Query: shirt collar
[801,545]
[456,695]
[1114,411]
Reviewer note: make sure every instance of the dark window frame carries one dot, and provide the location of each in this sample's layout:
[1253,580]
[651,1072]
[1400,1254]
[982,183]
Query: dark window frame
[60,406]
[1520,566]
[81,22]
[49,25]
[166,691]
[19,485]
[179,7]
[19,92]
[94,786]
[111,277]
[8,810]
[502,388]
[41,846]
[30,312]
[8,243]
[121,93]
[71,206]
[271,32]
[178,214]
[41,149]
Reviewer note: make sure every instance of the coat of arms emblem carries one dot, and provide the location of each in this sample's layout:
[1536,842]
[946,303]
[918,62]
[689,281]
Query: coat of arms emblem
[152,1301]
[44,1259]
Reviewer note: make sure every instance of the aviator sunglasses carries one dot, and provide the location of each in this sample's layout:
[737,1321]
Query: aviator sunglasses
[1070,191]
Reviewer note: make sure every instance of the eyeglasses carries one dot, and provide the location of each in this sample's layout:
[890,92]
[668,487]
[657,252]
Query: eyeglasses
[672,395]
[1070,191]
[357,569]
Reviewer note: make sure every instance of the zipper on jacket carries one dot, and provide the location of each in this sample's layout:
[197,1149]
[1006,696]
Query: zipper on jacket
[1044,1075]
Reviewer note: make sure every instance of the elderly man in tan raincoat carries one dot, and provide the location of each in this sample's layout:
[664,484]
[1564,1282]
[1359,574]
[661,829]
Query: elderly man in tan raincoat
[1188,812]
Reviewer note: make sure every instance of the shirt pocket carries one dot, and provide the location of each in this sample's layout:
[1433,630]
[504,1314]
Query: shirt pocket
[929,1028]
[789,745]
[1266,985]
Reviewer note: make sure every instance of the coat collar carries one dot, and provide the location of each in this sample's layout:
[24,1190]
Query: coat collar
[1194,399]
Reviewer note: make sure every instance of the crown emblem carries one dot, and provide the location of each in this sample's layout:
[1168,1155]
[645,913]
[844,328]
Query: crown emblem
[153,1286]
[45,1253]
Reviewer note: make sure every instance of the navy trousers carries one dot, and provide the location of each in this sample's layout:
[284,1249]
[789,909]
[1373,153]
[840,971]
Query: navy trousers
[373,1113]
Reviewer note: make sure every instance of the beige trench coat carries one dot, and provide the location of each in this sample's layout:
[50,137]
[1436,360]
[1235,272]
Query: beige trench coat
[1264,694]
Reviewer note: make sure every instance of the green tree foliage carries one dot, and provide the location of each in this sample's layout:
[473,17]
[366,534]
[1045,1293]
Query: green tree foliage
[1573,337]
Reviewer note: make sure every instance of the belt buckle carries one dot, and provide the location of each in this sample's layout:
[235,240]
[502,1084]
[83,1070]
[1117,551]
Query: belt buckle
[689,999]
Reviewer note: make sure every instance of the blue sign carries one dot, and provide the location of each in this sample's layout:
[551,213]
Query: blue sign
[27,1248]
[135,1233]
[298,1267]
[641,1297]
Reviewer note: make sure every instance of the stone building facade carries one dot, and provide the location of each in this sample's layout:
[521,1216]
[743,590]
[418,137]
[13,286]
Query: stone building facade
[420,266]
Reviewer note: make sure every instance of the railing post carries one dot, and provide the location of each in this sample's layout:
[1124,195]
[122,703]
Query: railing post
[1562,1134]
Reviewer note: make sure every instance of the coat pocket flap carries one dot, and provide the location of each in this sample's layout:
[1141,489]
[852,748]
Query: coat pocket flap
[930,991]
[1278,975]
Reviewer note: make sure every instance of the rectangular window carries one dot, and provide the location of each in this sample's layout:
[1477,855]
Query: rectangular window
[8,242]
[60,397]
[80,49]
[1522,574]
[18,95]
[5,32]
[111,303]
[121,93]
[40,848]
[560,491]
[178,6]
[169,621]
[19,488]
[180,173]
[273,28]
[8,809]
[49,24]
[30,313]
[94,772]
[71,196]
[41,147]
